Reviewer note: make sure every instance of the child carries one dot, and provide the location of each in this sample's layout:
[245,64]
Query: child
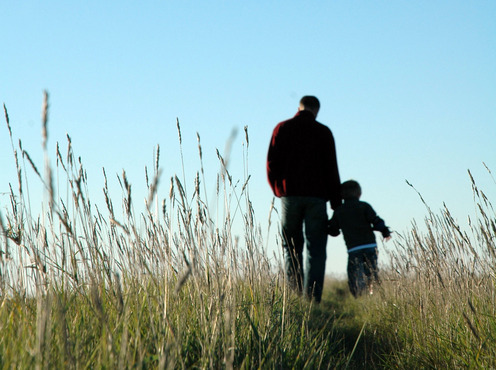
[357,220]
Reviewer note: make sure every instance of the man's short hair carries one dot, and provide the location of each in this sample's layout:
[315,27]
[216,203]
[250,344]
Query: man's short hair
[310,102]
[351,190]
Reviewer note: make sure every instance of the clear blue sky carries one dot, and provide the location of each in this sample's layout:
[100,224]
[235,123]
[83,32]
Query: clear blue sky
[407,87]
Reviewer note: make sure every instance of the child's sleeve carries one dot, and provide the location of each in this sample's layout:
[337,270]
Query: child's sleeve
[378,223]
[333,226]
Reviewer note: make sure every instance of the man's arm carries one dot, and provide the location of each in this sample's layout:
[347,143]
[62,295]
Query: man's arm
[333,175]
[274,163]
[333,226]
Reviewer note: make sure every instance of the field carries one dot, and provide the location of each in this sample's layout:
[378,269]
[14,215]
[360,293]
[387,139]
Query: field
[171,288]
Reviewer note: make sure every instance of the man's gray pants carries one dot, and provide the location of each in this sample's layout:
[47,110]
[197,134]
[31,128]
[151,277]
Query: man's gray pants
[304,223]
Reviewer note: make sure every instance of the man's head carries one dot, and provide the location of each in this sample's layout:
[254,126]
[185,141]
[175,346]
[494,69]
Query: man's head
[351,190]
[310,103]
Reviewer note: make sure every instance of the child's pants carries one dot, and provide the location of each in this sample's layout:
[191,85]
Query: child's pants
[362,270]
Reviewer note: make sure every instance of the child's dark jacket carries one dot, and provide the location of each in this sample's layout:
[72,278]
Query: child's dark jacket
[357,220]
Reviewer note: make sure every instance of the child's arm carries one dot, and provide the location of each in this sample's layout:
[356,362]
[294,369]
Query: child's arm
[378,223]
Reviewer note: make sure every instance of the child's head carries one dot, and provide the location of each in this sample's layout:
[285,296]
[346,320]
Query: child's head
[351,190]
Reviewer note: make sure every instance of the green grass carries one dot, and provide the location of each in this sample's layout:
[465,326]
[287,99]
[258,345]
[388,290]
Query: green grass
[172,288]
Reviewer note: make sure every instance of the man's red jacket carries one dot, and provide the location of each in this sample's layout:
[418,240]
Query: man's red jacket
[302,160]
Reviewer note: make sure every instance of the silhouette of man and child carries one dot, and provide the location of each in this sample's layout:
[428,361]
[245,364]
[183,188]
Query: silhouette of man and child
[302,171]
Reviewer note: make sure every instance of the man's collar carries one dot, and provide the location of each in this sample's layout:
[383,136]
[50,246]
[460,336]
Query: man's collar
[305,113]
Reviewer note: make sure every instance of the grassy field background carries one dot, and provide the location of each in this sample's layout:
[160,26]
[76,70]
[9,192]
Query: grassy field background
[170,288]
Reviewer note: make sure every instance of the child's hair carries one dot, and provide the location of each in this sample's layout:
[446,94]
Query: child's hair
[351,190]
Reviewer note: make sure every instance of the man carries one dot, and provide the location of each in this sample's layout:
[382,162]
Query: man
[302,170]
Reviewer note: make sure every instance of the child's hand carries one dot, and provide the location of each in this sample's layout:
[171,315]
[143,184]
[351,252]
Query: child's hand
[386,233]
[332,228]
[386,239]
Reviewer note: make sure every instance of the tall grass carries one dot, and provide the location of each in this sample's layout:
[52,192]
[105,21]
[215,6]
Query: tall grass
[173,286]
[84,287]
[438,303]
